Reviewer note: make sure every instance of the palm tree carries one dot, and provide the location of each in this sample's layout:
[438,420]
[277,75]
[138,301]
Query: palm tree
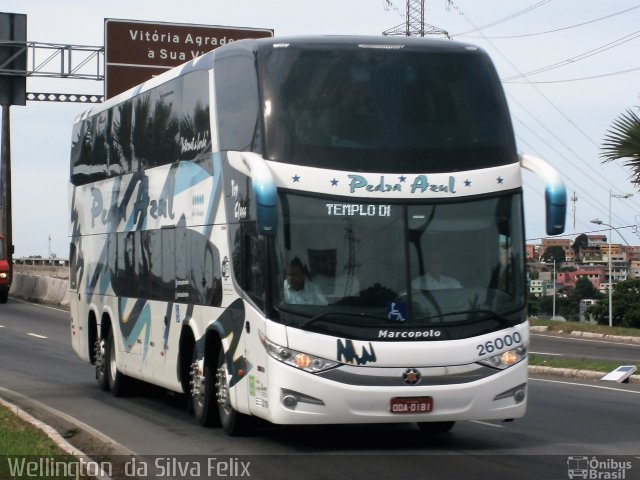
[623,142]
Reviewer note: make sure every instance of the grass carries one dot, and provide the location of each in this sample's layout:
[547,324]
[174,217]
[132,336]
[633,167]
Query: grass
[18,437]
[566,327]
[22,442]
[574,363]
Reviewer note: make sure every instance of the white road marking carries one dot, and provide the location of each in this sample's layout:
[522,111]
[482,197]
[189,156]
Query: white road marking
[584,385]
[545,353]
[487,424]
[42,306]
[36,335]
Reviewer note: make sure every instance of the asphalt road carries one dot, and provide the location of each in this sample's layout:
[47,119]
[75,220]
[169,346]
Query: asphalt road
[566,420]
[566,346]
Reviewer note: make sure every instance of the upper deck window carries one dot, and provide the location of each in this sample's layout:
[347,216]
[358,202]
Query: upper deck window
[384,110]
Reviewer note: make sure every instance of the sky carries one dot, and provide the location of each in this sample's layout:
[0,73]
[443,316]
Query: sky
[586,49]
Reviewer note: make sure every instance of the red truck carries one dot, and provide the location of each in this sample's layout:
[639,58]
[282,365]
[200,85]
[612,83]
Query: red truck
[5,272]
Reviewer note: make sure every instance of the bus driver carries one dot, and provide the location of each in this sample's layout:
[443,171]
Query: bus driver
[298,289]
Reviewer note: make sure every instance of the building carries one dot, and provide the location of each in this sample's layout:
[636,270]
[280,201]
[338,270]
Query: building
[634,269]
[538,287]
[565,243]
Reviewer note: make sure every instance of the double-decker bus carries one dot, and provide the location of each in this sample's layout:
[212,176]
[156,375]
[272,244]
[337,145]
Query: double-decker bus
[308,231]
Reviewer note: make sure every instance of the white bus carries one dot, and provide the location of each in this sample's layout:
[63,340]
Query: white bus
[308,231]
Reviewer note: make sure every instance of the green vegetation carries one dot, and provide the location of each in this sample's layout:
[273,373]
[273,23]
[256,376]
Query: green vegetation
[17,437]
[21,441]
[622,142]
[567,327]
[626,303]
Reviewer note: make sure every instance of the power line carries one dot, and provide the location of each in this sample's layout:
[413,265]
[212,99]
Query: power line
[611,74]
[584,233]
[547,100]
[502,20]
[562,28]
[577,58]
[561,142]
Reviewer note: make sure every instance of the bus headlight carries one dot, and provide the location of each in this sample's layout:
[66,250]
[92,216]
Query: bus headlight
[303,361]
[505,359]
[4,274]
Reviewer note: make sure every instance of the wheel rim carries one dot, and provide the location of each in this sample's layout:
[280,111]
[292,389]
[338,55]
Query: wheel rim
[99,353]
[197,384]
[222,392]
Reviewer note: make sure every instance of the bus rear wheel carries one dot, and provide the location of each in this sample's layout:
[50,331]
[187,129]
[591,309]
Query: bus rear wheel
[233,422]
[119,384]
[100,363]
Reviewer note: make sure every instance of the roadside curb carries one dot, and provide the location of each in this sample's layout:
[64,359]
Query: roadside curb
[53,434]
[574,373]
[18,404]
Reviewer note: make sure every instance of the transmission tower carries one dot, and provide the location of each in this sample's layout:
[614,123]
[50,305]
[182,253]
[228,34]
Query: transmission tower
[414,25]
[574,199]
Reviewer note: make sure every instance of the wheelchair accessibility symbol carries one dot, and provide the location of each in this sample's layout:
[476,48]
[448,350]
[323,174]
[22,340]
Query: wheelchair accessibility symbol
[397,311]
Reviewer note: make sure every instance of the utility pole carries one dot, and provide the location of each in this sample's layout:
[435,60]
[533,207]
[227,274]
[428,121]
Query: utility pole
[414,25]
[5,174]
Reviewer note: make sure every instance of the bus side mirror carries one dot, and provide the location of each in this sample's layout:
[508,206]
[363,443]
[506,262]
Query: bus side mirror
[555,194]
[265,193]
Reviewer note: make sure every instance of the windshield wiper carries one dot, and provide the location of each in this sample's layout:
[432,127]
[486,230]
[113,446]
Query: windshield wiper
[490,315]
[323,316]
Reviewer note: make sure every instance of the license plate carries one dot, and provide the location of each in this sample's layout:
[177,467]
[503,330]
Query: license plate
[411,405]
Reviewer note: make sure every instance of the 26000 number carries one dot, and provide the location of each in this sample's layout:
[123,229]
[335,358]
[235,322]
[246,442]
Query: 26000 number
[499,343]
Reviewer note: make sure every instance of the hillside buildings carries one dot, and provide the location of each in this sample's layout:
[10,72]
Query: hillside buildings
[587,256]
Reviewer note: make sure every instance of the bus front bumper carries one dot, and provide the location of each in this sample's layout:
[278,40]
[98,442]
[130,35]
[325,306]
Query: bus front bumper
[298,397]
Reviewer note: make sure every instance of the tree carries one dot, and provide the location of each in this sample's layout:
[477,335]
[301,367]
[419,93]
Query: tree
[583,289]
[622,141]
[552,253]
[626,305]
[580,242]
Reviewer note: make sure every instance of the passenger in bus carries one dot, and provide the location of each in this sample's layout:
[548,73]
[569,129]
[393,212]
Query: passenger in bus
[298,289]
[433,279]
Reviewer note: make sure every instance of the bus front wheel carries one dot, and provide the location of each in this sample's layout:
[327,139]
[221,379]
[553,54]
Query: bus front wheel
[202,389]
[233,422]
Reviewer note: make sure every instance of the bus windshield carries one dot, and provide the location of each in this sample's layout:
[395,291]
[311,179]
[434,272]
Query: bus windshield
[393,265]
[378,109]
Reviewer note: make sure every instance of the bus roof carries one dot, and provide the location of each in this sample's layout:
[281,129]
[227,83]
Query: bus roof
[205,62]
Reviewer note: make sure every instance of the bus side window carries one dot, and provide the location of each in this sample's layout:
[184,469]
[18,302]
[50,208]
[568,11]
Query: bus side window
[249,262]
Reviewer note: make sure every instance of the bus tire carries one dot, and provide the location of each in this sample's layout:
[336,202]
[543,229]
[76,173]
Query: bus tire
[436,428]
[4,295]
[119,384]
[233,422]
[202,391]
